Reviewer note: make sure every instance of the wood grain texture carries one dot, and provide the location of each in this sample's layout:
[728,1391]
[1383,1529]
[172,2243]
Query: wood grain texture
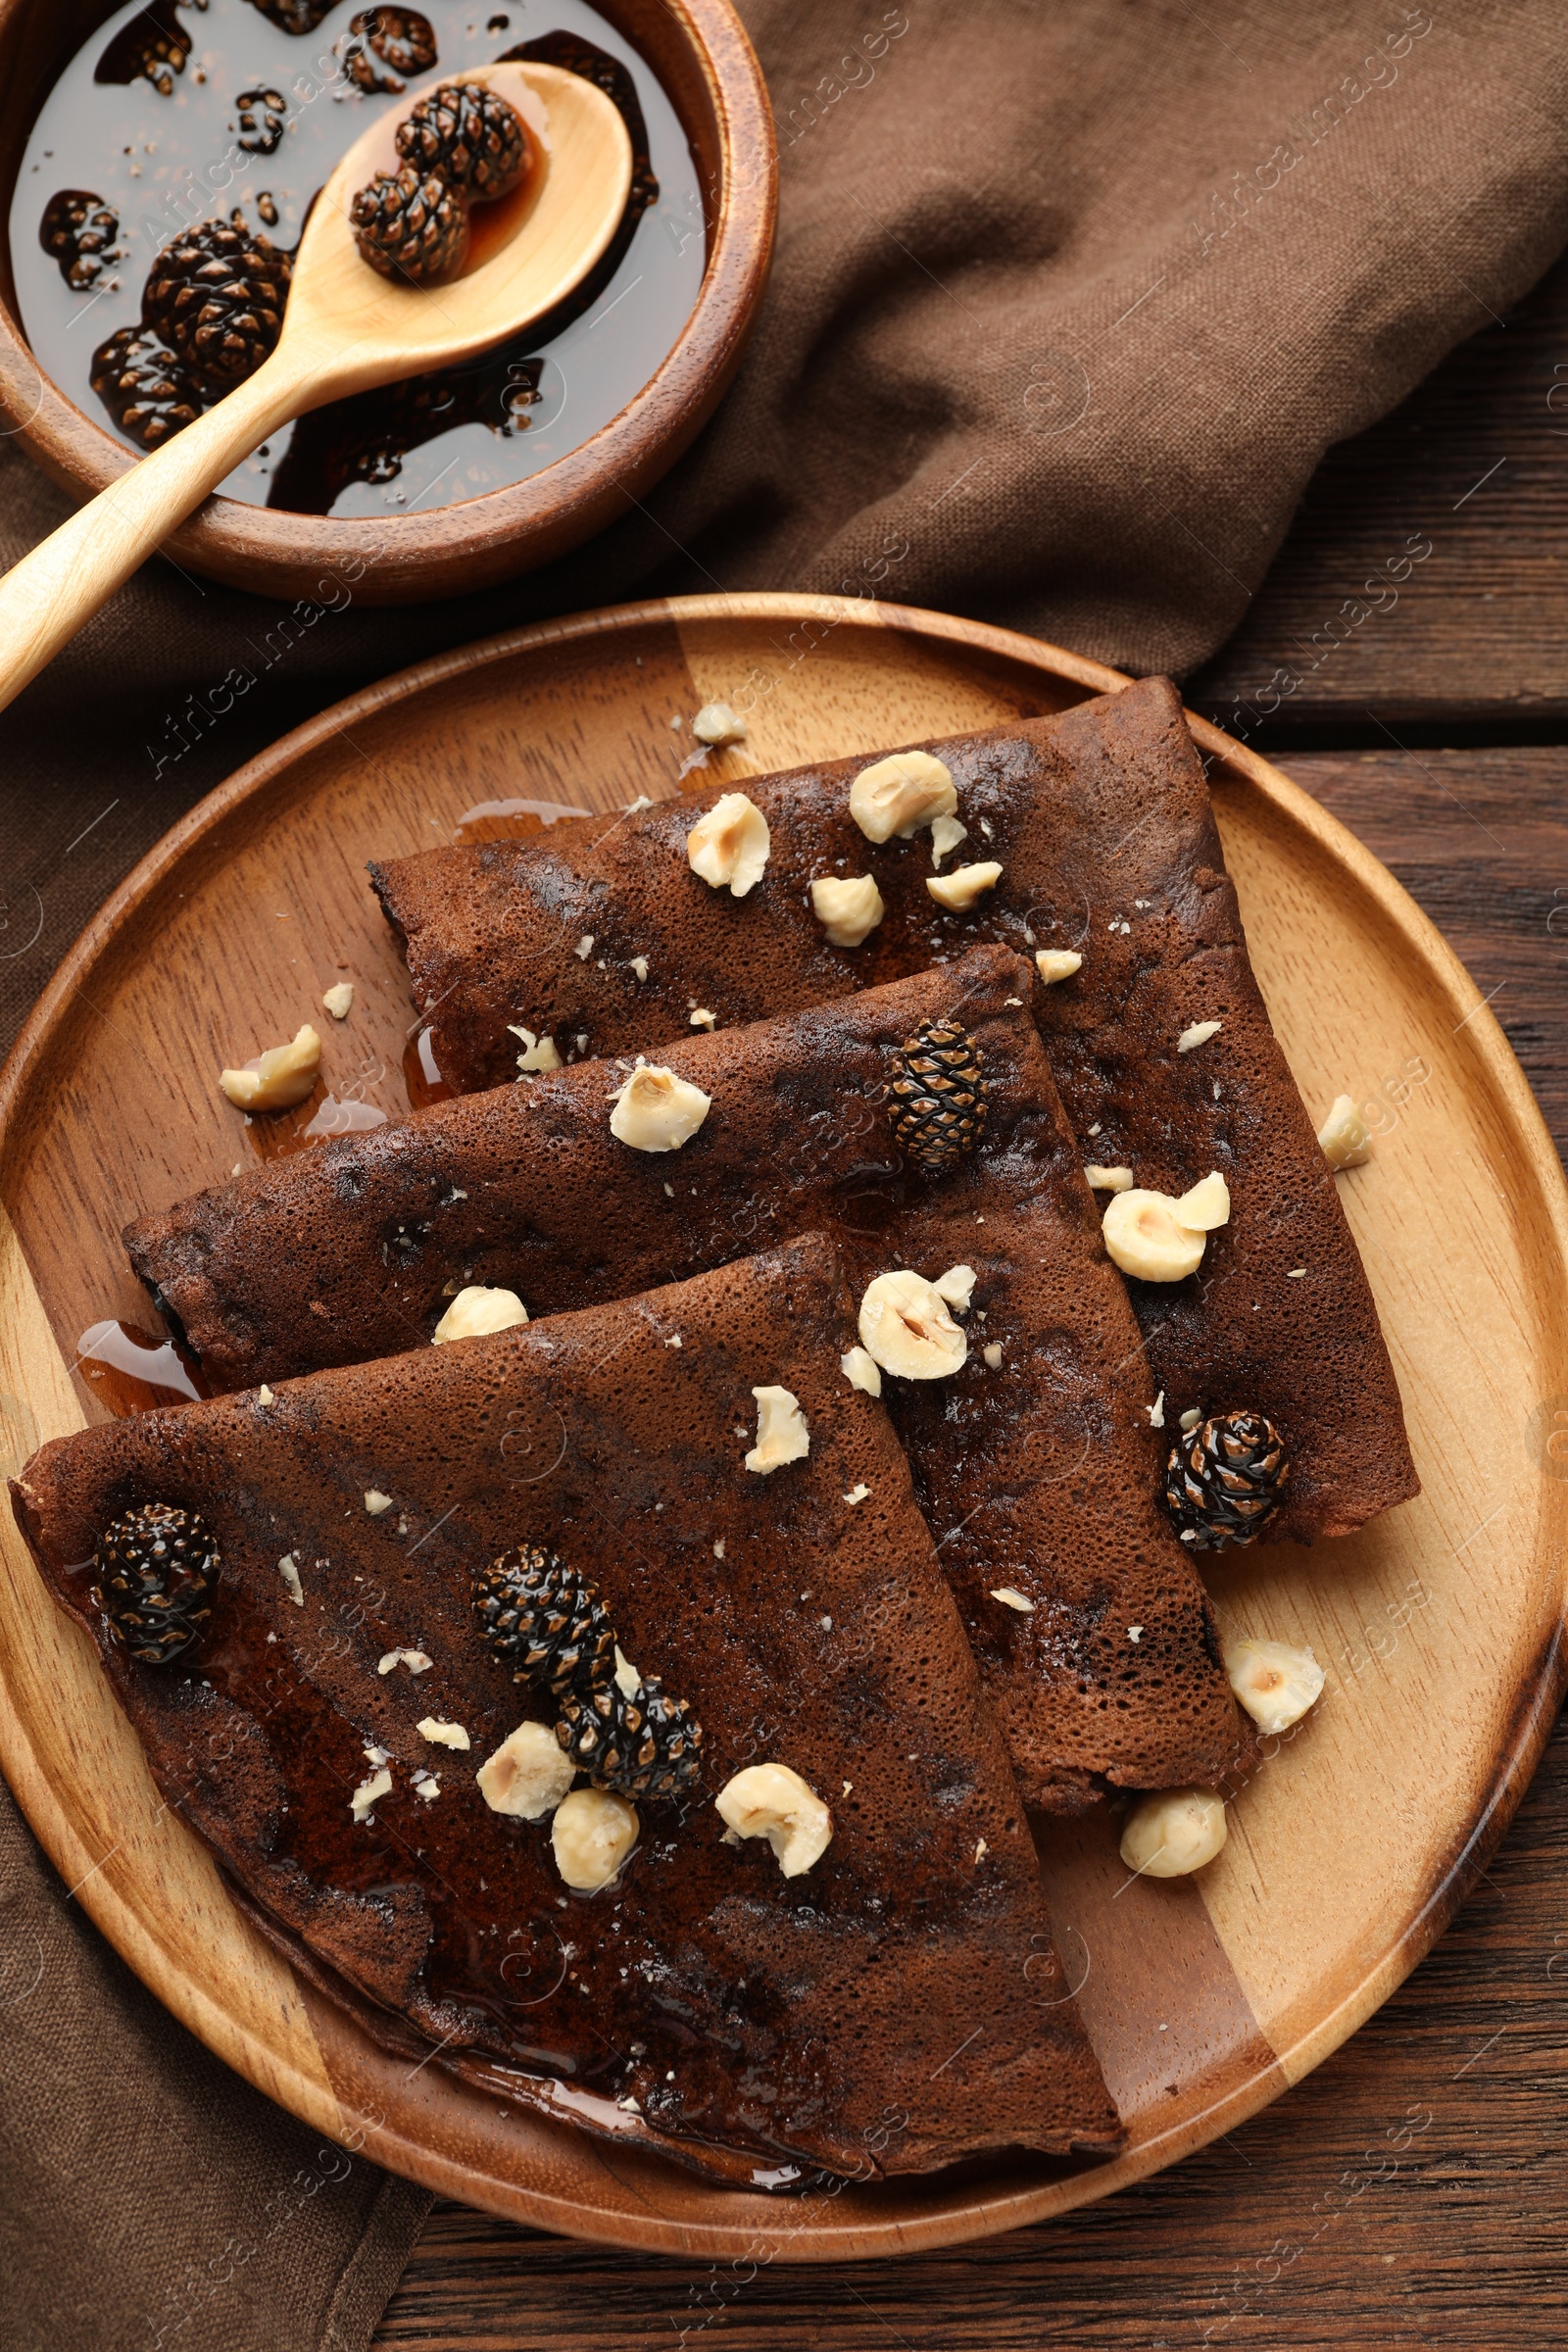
[701,54]
[1355,1838]
[1281,2233]
[1354,630]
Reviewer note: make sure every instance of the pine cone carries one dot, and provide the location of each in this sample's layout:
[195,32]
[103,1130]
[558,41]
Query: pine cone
[146,391]
[1225,1479]
[155,1569]
[467,135]
[645,1745]
[216,296]
[409,227]
[937,1095]
[544,1623]
[80,232]
[263,118]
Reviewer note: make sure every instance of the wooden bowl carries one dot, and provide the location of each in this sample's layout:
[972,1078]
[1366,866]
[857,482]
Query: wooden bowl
[710,71]
[1438,1624]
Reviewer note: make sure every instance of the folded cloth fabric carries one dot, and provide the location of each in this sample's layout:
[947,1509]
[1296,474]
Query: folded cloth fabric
[1067,304]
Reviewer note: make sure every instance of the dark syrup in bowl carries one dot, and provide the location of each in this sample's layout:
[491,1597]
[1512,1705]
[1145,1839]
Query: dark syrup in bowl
[175,112]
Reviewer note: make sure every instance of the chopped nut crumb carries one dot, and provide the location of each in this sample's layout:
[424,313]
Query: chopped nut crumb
[1011,1599]
[415,1660]
[1156,1412]
[1192,1417]
[1197,1035]
[627,1678]
[264,1395]
[992,1354]
[585,946]
[339,1000]
[443,1734]
[781,1432]
[701,1019]
[946,835]
[981,1849]
[282,1078]
[1056,964]
[376,1502]
[957,1285]
[860,1369]
[717,724]
[639,964]
[1135,1632]
[1296,1274]
[1107,1180]
[959,890]
[857,1493]
[538,1052]
[427,1786]
[365,1794]
[1344,1138]
[290,1574]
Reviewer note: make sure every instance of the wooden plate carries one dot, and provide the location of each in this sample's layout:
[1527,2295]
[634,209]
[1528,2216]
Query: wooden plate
[1439,1626]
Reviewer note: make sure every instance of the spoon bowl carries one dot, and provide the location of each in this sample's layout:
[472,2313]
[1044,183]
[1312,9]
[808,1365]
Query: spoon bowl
[346,328]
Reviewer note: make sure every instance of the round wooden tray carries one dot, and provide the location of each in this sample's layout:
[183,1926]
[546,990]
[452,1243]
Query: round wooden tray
[1439,1626]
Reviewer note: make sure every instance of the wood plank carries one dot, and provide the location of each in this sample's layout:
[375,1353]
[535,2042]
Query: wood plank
[1474,634]
[1289,2231]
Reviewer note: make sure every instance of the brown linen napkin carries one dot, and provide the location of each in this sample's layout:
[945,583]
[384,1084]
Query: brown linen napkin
[1069,300]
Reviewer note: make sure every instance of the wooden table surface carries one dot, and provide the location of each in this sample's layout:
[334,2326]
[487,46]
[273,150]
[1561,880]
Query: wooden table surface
[1283,2234]
[1430,710]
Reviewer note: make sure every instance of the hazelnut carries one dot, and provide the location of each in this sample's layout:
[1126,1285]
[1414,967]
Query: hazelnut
[847,911]
[339,1000]
[592,1833]
[770,1800]
[1107,1180]
[1207,1204]
[376,1502]
[413,1659]
[479,1309]
[860,1371]
[538,1052]
[701,1019]
[1056,964]
[946,835]
[992,1352]
[443,1734]
[966,883]
[1173,1832]
[361,1803]
[895,797]
[1274,1683]
[717,724]
[528,1775]
[905,1324]
[283,1077]
[781,1432]
[1197,1035]
[729,846]
[1344,1139]
[656,1111]
[957,1287]
[1145,1237]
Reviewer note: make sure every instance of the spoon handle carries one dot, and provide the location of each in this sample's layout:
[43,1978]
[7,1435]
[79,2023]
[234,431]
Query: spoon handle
[45,599]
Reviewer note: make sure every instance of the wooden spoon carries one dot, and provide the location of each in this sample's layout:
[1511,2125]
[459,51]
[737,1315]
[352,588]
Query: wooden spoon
[345,329]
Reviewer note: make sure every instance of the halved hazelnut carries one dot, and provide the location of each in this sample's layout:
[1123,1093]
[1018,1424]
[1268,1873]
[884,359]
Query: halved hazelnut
[728,847]
[529,1774]
[905,1324]
[1173,1833]
[656,1111]
[1343,1138]
[476,1310]
[848,910]
[1145,1237]
[770,1800]
[897,796]
[959,890]
[1274,1683]
[281,1079]
[592,1833]
[781,1432]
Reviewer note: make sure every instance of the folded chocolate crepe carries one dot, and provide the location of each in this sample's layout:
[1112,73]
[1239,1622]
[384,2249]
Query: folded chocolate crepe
[1035,1462]
[1100,820]
[891,2007]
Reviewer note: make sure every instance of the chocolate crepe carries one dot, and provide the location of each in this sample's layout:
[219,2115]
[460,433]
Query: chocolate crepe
[1039,1474]
[908,1974]
[1101,822]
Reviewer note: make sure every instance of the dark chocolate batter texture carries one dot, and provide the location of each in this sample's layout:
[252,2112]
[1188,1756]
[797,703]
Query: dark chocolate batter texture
[896,2007]
[1038,1475]
[1100,821]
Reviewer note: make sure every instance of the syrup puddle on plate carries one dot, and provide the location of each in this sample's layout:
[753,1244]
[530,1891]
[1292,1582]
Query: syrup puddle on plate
[131,1373]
